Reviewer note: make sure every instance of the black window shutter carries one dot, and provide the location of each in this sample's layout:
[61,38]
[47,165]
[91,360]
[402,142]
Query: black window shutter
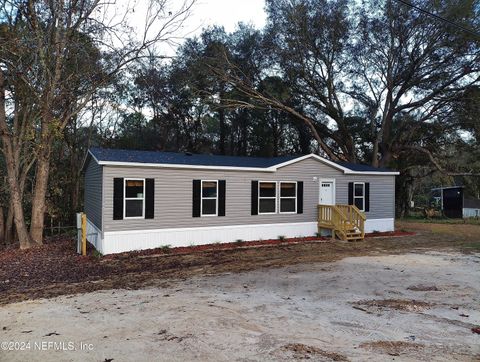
[254,201]
[118,198]
[299,197]
[149,198]
[221,197]
[350,193]
[197,186]
[367,196]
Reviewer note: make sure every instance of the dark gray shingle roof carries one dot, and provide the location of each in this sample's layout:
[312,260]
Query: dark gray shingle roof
[173,158]
[116,155]
[361,167]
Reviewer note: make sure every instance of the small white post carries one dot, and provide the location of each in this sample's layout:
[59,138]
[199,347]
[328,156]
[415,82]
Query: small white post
[79,232]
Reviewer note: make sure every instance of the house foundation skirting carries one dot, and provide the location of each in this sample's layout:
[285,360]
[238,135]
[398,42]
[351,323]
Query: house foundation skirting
[379,225]
[122,241]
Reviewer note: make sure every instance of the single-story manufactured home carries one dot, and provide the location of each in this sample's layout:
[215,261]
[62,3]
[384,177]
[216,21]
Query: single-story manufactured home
[145,199]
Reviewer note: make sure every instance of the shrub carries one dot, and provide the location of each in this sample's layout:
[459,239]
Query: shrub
[281,237]
[166,248]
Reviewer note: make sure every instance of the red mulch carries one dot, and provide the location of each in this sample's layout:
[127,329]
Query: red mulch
[389,234]
[217,246]
[243,244]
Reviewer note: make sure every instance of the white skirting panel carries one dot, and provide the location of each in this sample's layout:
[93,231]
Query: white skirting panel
[379,225]
[94,235]
[121,241]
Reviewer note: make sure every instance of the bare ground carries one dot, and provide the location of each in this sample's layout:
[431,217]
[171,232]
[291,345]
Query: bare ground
[409,298]
[296,312]
[55,269]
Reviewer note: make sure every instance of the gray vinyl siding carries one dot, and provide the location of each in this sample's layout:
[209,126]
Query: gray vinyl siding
[173,195]
[93,192]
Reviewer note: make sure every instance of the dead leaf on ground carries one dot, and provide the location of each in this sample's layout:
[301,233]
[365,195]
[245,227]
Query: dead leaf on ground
[397,304]
[393,348]
[423,288]
[302,351]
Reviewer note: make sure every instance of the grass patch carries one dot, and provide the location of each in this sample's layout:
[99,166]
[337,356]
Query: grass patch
[415,219]
[166,248]
[472,246]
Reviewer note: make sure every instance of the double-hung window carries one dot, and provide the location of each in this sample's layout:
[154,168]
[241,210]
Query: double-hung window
[209,199]
[288,197]
[359,195]
[134,200]
[267,197]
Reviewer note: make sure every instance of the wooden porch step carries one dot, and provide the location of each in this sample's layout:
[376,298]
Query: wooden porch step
[345,221]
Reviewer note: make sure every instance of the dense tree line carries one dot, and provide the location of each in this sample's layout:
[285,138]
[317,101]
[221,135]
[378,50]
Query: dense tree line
[372,81]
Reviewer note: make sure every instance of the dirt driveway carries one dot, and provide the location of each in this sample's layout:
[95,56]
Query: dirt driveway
[402,307]
[384,302]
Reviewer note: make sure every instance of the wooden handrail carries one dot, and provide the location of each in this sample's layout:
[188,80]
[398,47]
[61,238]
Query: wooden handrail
[340,218]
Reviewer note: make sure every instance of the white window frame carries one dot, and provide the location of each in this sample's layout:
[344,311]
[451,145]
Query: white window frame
[125,198]
[269,197]
[208,198]
[359,197]
[287,197]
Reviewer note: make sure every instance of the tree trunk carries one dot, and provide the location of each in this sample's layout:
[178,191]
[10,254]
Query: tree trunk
[223,131]
[9,226]
[12,165]
[18,216]
[39,195]
[2,226]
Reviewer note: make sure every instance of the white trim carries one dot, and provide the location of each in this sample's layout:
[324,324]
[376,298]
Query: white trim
[287,197]
[257,169]
[189,167]
[335,165]
[267,197]
[317,157]
[125,199]
[327,180]
[359,197]
[208,198]
[121,241]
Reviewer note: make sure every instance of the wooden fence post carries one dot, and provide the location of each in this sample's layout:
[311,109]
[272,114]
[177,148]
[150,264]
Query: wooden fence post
[84,234]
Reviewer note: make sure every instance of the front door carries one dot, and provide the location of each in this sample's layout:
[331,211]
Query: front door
[327,192]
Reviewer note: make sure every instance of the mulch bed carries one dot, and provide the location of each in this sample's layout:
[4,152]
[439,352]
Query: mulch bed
[248,244]
[55,269]
[380,234]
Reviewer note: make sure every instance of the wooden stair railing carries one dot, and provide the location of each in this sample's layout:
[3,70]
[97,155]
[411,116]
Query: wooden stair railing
[346,221]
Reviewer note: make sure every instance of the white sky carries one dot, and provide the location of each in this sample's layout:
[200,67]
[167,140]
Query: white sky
[204,13]
[228,13]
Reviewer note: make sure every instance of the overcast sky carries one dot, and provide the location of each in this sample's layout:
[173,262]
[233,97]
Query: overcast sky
[204,13]
[228,13]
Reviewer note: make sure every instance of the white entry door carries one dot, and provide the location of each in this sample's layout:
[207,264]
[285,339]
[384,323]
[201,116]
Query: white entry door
[327,192]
